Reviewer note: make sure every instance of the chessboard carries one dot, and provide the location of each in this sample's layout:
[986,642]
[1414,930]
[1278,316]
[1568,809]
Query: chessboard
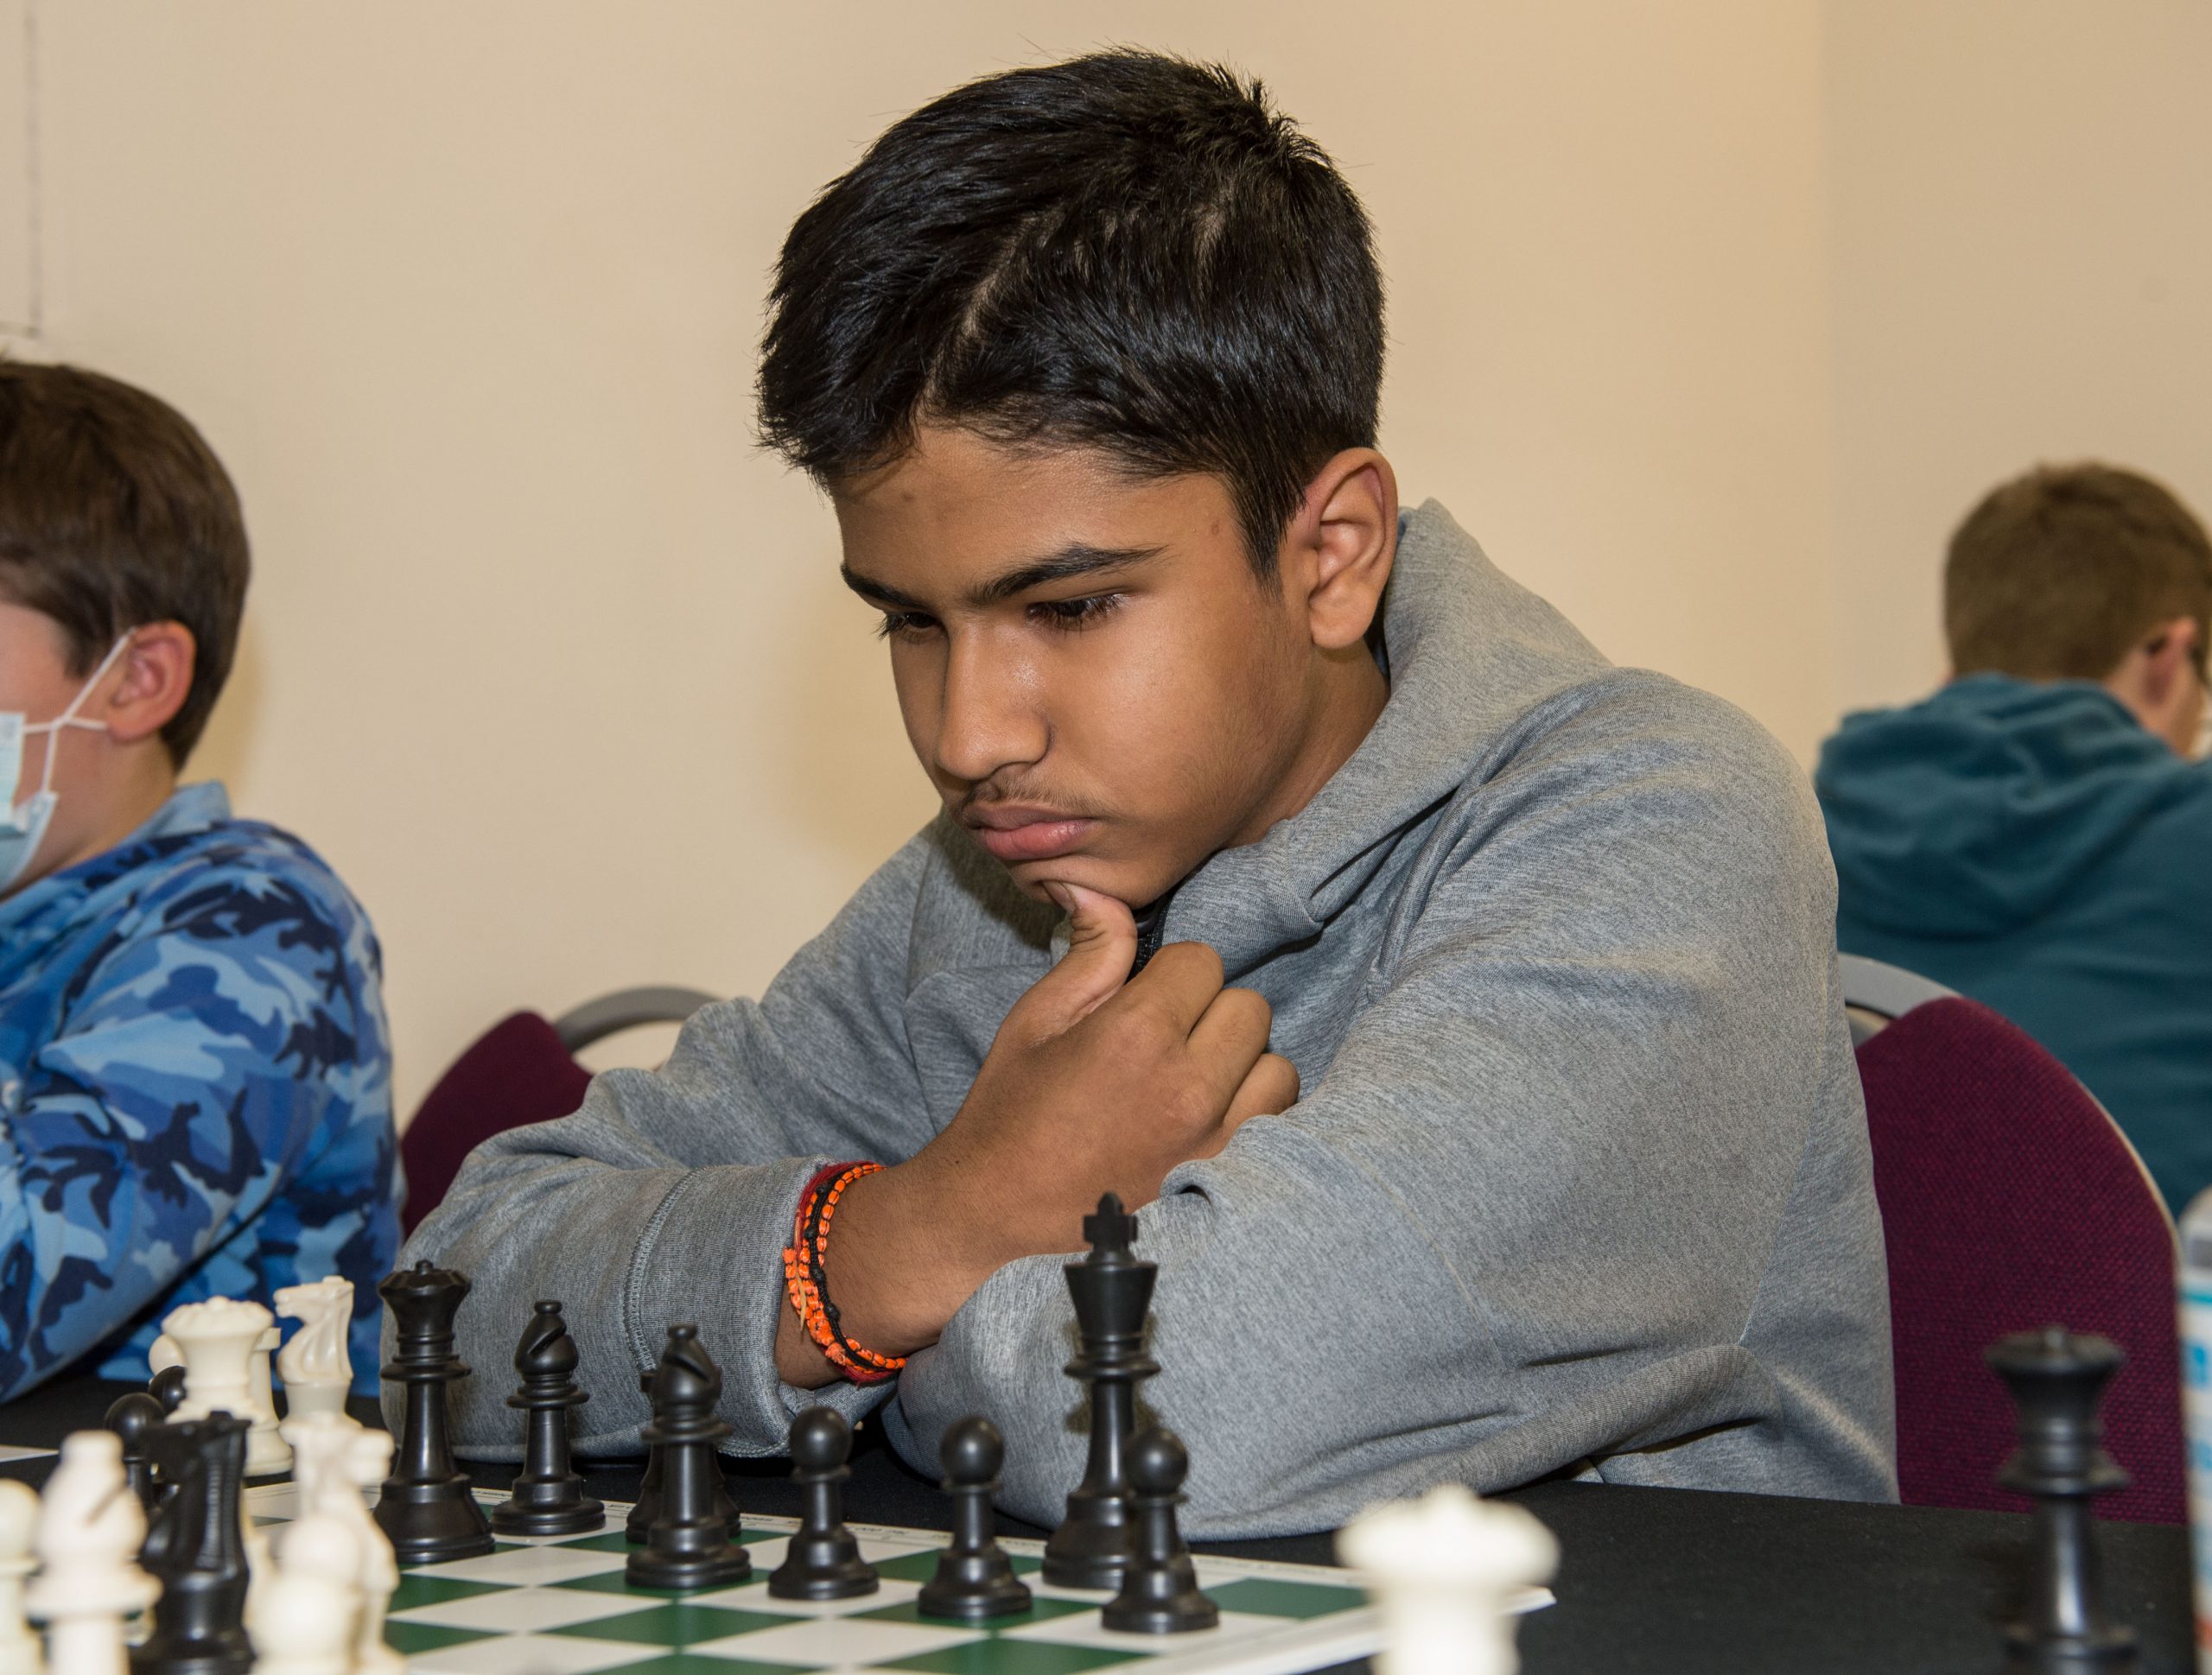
[561,1606]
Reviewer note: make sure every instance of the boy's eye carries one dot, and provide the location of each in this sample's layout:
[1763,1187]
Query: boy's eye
[1075,613]
[903,625]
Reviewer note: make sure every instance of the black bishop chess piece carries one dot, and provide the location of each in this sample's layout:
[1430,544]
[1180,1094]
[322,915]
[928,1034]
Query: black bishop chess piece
[1160,1592]
[167,1387]
[196,1550]
[131,1417]
[1112,1290]
[974,1579]
[823,1559]
[689,1545]
[548,1498]
[426,1506]
[2056,1380]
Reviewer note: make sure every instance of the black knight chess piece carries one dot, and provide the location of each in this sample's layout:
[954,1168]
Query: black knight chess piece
[130,1416]
[1112,1290]
[426,1506]
[2056,1380]
[974,1579]
[689,1545]
[1160,1592]
[823,1559]
[646,1507]
[196,1550]
[548,1498]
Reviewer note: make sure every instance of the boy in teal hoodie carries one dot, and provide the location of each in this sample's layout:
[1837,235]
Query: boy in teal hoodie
[2038,833]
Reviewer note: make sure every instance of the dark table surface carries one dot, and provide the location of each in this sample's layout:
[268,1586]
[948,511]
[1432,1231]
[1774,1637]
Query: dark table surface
[1667,1581]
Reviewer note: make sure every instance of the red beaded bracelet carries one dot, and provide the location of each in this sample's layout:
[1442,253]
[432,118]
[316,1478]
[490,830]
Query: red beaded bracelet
[805,1281]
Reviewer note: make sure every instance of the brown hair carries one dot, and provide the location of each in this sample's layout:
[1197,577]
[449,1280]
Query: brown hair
[2057,574]
[114,512]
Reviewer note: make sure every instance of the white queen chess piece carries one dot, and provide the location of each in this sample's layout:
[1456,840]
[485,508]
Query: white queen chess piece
[1447,1572]
[317,1371]
[90,1528]
[219,1342]
[19,1650]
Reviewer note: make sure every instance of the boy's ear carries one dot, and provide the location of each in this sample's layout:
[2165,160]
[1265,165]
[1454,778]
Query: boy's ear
[151,684]
[1340,546]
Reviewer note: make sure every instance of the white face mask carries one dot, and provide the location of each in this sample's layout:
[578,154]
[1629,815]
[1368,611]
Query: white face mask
[24,828]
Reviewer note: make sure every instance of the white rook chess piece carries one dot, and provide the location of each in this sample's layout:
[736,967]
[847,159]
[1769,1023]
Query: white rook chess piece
[317,1371]
[218,1341]
[19,1653]
[333,1460]
[1446,1572]
[90,1529]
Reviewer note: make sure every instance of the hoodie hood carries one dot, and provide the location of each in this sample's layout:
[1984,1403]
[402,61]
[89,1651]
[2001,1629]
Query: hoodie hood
[1974,811]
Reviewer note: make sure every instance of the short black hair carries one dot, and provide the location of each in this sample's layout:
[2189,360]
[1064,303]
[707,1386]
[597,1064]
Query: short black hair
[114,512]
[1127,250]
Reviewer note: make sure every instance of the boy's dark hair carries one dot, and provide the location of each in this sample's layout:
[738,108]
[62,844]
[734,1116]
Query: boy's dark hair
[2058,574]
[1126,250]
[115,512]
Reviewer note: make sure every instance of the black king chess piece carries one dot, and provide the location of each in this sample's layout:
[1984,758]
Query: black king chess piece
[689,1545]
[1159,1592]
[130,1416]
[2056,1380]
[975,1579]
[196,1550]
[548,1498]
[1112,1290]
[824,1558]
[426,1506]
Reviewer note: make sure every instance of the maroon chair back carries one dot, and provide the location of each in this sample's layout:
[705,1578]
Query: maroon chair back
[2010,1201]
[518,1072]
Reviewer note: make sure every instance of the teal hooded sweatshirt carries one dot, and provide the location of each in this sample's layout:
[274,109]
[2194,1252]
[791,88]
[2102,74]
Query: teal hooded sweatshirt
[2030,845]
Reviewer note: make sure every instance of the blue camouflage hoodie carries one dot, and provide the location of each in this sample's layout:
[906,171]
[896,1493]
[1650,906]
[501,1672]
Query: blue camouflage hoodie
[195,1091]
[2030,845]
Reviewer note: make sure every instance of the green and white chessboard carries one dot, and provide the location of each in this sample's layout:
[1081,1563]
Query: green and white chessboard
[560,1606]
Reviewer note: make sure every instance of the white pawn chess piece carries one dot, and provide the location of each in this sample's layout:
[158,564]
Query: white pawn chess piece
[90,1529]
[217,1339]
[306,1616]
[265,1443]
[335,1459]
[19,1647]
[1448,1573]
[317,1370]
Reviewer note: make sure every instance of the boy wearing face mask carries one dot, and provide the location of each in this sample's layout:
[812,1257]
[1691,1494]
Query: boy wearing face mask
[195,1068]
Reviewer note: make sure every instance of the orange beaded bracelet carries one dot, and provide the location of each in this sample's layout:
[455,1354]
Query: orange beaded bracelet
[805,1282]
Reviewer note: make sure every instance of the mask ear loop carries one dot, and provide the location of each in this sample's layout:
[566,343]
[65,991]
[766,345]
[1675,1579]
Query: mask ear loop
[69,717]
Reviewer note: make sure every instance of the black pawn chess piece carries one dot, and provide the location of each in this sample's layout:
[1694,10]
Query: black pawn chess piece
[167,1387]
[689,1545]
[824,1560]
[974,1579]
[131,1417]
[1112,1290]
[2056,1380]
[639,1524]
[1160,1594]
[196,1550]
[548,1498]
[426,1506]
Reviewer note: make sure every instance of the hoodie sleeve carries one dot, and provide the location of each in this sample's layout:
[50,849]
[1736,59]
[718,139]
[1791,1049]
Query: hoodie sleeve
[1520,1221]
[668,1195]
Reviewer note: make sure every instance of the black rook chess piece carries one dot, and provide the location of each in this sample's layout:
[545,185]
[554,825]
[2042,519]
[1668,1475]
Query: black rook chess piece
[196,1550]
[548,1498]
[1159,1593]
[167,1387]
[1112,1290]
[2056,1380]
[131,1417]
[426,1506]
[689,1545]
[974,1579]
[824,1560]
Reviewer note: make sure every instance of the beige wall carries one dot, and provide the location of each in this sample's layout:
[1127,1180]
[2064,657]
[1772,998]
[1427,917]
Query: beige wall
[556,670]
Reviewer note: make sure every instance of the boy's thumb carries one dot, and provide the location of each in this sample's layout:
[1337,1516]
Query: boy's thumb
[1102,947]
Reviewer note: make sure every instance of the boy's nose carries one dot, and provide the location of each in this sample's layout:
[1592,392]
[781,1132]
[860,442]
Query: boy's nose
[990,718]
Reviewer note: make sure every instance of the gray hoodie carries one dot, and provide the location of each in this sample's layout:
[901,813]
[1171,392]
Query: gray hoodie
[1578,1181]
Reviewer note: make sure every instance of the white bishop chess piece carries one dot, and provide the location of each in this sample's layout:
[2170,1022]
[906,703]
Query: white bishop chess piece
[307,1615]
[318,1373]
[223,1344]
[19,1653]
[333,1460]
[90,1529]
[1449,1572]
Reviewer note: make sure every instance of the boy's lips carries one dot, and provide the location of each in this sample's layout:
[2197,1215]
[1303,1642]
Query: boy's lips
[1015,834]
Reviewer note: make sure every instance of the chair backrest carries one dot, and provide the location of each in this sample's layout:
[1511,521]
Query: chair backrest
[1875,995]
[2010,1202]
[518,1071]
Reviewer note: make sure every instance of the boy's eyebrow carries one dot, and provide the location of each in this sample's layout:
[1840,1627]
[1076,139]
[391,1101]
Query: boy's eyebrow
[1076,560]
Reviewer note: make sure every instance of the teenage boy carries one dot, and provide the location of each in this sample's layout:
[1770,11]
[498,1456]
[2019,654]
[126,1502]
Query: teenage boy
[2035,834]
[195,1093]
[1527,1137]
